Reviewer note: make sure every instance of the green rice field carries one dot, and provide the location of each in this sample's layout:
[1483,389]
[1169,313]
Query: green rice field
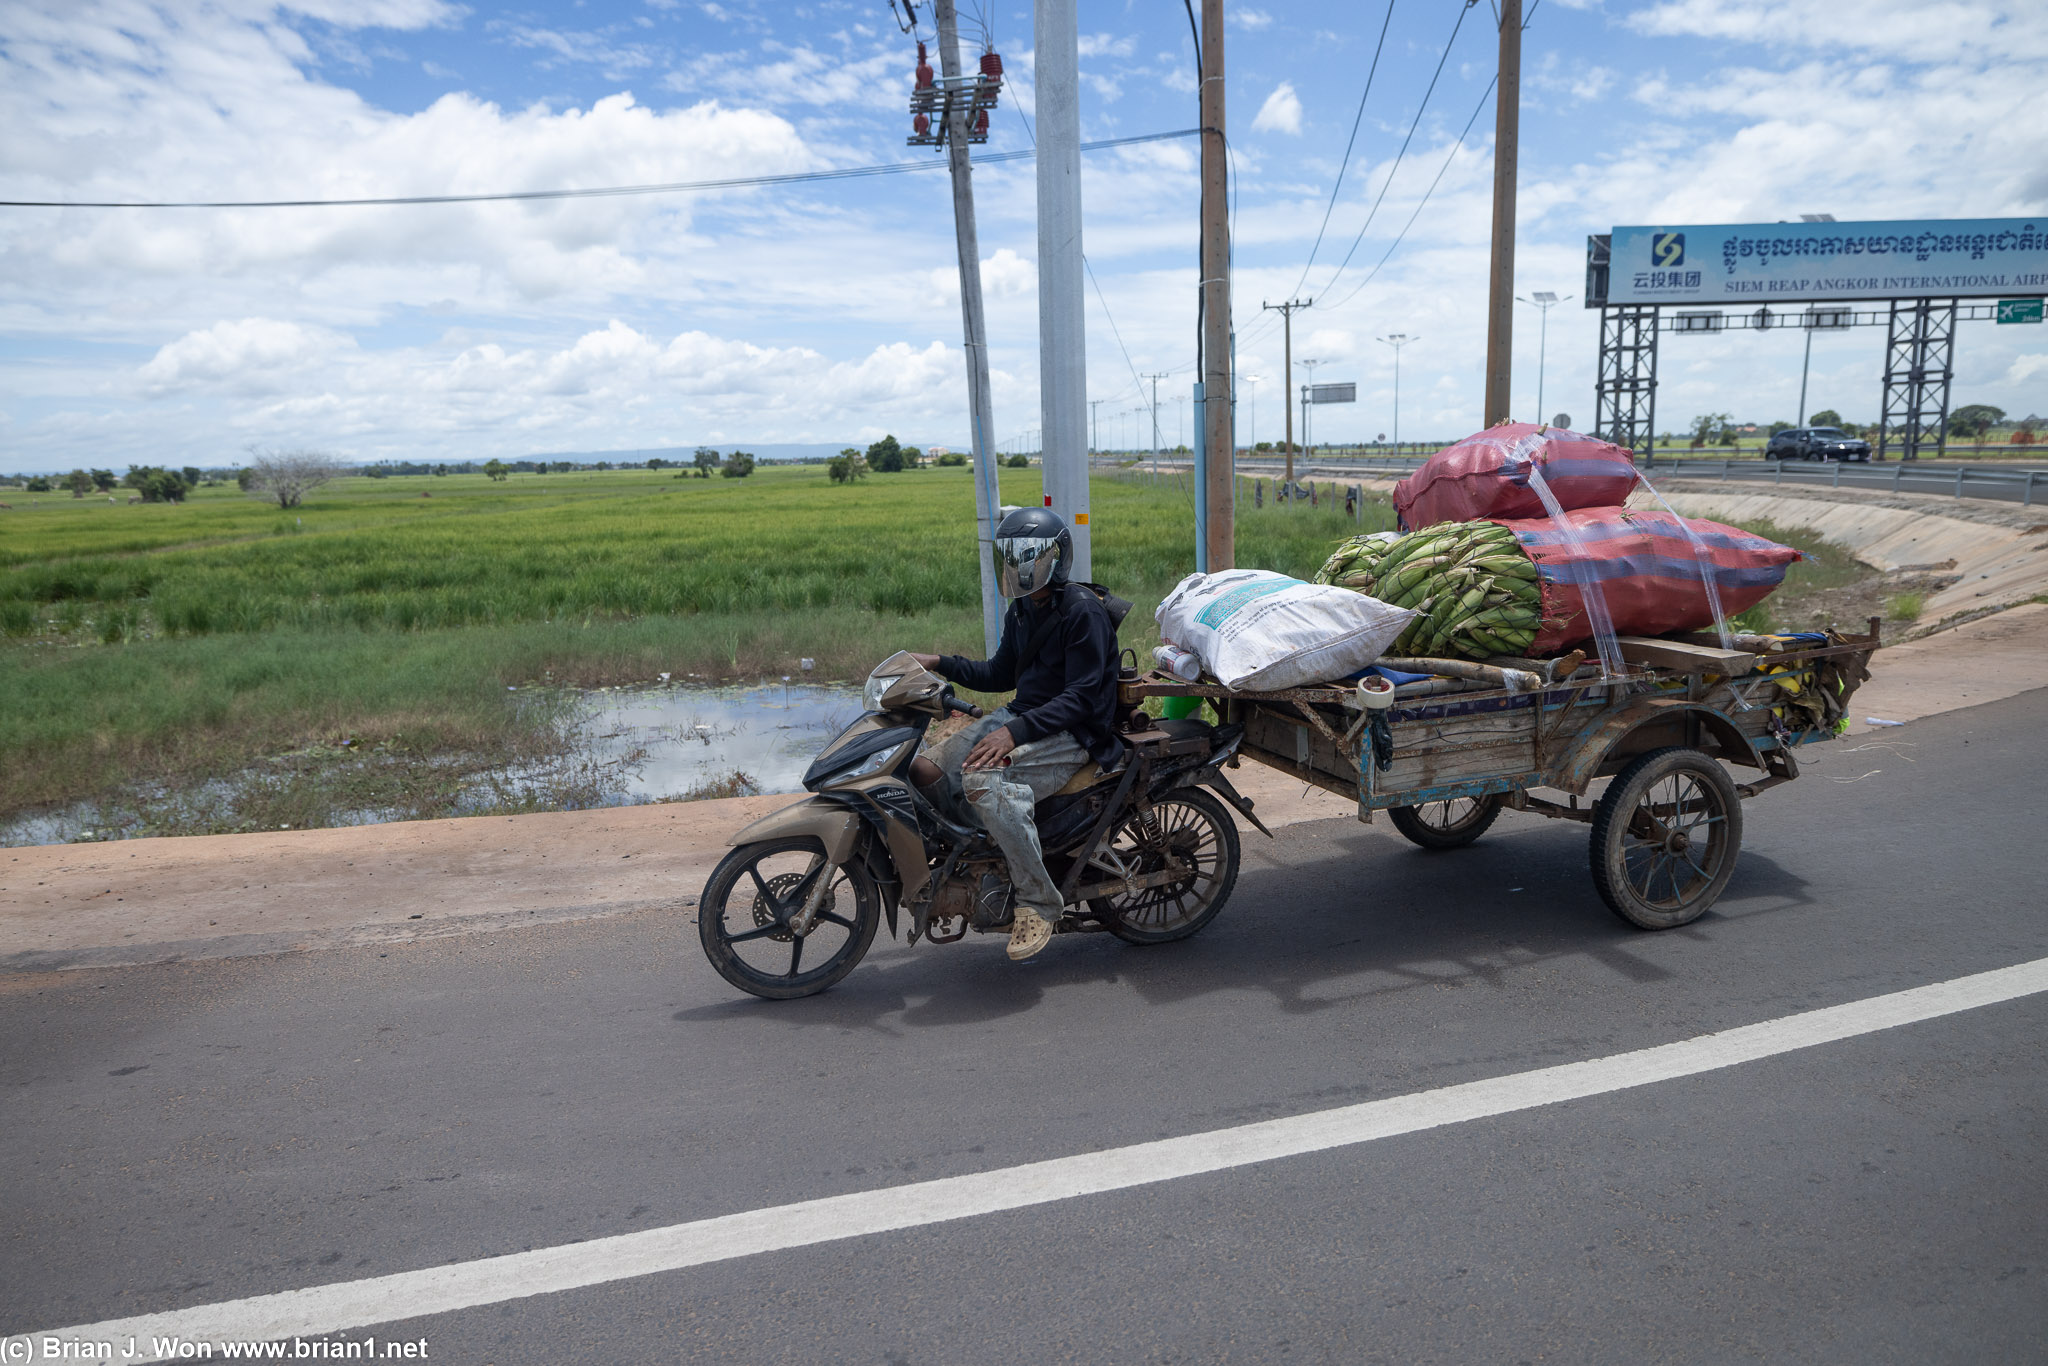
[177,642]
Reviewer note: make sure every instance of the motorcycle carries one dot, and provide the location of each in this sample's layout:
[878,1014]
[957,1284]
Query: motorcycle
[1144,851]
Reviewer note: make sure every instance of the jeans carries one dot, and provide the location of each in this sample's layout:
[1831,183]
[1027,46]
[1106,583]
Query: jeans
[1001,800]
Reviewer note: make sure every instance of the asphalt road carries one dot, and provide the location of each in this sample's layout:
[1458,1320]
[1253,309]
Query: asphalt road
[185,1134]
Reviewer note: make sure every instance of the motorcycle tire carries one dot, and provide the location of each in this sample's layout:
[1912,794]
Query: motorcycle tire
[1188,817]
[740,908]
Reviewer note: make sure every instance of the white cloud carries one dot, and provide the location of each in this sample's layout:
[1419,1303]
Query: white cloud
[255,355]
[1005,275]
[1911,29]
[1107,45]
[1250,19]
[1281,113]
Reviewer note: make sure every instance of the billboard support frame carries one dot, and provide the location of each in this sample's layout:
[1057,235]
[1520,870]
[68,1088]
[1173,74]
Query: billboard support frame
[1919,354]
[1625,397]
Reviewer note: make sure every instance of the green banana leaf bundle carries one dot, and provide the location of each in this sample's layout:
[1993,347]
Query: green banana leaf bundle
[1474,591]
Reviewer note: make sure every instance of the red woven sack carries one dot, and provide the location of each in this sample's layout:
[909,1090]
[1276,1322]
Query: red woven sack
[1486,476]
[1648,570]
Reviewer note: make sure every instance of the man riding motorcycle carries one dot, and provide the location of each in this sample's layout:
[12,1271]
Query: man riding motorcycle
[1059,654]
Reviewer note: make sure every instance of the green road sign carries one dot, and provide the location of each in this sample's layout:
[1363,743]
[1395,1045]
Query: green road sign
[2019,310]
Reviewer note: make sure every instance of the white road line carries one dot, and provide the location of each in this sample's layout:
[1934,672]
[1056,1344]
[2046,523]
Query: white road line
[439,1289]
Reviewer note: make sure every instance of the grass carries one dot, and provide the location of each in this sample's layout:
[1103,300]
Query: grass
[373,651]
[178,643]
[1829,586]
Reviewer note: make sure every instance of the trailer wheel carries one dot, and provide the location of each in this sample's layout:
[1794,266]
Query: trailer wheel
[1665,837]
[1446,825]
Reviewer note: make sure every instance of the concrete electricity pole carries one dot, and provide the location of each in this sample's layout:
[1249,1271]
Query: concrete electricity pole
[1094,425]
[980,401]
[1220,483]
[1500,301]
[1286,312]
[1062,333]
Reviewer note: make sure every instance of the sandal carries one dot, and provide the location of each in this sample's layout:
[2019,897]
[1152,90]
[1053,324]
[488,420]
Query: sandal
[1029,932]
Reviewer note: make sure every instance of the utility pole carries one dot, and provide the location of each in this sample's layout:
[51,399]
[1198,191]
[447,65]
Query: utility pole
[1500,299]
[1397,340]
[1220,478]
[1062,333]
[1094,427]
[1287,312]
[980,401]
[1155,416]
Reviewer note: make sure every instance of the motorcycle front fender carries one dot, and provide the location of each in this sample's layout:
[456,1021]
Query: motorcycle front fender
[829,823]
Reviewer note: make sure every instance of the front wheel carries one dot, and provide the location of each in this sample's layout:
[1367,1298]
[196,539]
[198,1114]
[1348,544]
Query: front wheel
[1450,824]
[1187,829]
[756,892]
[1665,837]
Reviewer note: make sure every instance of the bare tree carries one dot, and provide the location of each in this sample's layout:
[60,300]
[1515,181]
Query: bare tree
[289,476]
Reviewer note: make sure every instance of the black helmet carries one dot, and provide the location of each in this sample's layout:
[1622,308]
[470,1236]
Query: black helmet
[1033,549]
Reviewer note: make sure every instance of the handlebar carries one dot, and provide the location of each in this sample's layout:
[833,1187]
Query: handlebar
[955,704]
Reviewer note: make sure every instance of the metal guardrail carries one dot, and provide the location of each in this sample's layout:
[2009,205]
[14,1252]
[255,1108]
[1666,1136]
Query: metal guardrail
[1959,481]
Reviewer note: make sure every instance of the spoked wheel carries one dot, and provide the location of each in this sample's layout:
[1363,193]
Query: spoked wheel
[1188,829]
[1449,824]
[756,892]
[1665,837]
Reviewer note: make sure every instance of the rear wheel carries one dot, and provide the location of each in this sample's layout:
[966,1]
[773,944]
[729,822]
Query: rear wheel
[756,892]
[1450,824]
[1665,838]
[1187,829]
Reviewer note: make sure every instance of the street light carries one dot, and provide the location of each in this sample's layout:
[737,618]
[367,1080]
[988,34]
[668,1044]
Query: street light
[1253,381]
[1308,363]
[1544,300]
[1397,340]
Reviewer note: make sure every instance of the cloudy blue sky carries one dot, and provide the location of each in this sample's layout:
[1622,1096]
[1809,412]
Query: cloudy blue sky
[828,311]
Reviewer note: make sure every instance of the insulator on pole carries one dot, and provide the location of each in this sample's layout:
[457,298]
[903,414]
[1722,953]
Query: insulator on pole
[921,125]
[981,121]
[992,66]
[924,69]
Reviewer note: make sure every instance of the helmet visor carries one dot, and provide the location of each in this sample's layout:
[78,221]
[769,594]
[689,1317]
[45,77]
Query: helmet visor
[1025,564]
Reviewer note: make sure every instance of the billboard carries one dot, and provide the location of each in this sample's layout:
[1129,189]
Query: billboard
[1761,263]
[1333,393]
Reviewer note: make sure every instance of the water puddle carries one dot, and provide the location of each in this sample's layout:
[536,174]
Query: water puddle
[666,743]
[624,747]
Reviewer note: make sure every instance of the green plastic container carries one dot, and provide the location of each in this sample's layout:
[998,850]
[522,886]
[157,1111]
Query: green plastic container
[1180,708]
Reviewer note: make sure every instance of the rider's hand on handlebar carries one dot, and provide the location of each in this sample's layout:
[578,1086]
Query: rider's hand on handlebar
[924,661]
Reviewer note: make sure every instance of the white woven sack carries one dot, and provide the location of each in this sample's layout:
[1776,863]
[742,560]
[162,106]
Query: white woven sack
[1261,631]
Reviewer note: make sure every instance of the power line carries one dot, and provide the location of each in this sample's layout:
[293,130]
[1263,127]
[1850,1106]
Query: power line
[1349,143]
[1476,110]
[598,192]
[1463,10]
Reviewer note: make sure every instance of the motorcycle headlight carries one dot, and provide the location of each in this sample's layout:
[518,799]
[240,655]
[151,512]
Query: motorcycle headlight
[873,763]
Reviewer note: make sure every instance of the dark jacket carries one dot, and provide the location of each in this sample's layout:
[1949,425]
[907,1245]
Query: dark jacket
[1068,685]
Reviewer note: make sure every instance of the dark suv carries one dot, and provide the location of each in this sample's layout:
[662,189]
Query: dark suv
[1816,443]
